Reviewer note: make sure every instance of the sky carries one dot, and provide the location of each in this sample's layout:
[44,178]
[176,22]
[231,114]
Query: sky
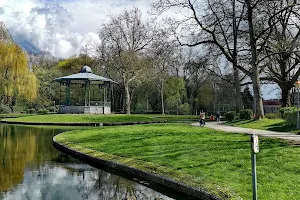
[63,27]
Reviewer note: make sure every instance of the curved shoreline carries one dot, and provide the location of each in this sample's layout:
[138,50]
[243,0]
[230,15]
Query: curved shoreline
[175,185]
[79,123]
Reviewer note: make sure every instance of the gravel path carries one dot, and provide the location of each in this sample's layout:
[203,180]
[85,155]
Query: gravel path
[273,134]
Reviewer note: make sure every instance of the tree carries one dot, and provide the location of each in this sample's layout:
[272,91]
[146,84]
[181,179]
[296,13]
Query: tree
[122,50]
[193,29]
[174,92]
[217,27]
[165,56]
[75,63]
[17,79]
[247,98]
[282,49]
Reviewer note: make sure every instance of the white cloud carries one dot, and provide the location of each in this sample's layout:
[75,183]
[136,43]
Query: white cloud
[61,27]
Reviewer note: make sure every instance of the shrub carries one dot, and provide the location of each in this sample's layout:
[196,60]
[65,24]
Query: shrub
[5,109]
[43,111]
[230,115]
[246,114]
[272,115]
[30,111]
[286,110]
[291,118]
[184,109]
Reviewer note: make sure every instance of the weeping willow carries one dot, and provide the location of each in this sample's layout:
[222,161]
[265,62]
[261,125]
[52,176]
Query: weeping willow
[16,78]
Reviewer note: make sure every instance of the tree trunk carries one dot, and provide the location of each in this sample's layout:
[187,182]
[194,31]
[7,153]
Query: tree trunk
[162,97]
[127,99]
[237,83]
[238,96]
[285,96]
[284,86]
[258,105]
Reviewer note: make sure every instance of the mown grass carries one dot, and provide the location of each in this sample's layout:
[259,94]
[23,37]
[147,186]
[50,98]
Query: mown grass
[200,157]
[174,118]
[265,124]
[84,118]
[102,118]
[14,115]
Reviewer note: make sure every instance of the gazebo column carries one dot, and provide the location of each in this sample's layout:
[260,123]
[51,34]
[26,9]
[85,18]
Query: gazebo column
[104,94]
[109,92]
[104,98]
[87,93]
[67,93]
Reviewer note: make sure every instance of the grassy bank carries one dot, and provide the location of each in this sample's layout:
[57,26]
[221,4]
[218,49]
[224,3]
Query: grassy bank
[13,115]
[102,118]
[265,124]
[217,161]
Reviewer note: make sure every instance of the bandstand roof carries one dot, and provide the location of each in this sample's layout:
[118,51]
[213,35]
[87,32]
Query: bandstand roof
[84,75]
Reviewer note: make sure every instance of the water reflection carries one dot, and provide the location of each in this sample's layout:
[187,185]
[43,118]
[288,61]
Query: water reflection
[32,169]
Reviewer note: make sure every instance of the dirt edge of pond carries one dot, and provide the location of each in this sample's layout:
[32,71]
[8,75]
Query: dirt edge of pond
[167,182]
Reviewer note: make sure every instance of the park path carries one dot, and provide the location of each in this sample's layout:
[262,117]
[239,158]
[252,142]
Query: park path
[272,134]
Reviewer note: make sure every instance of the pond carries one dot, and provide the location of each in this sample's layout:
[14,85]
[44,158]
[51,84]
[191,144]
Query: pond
[32,169]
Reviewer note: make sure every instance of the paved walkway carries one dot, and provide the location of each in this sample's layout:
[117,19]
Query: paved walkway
[273,134]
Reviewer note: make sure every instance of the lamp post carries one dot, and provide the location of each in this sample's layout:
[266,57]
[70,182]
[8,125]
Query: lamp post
[297,85]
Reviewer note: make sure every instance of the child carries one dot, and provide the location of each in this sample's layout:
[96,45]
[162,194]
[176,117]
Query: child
[202,118]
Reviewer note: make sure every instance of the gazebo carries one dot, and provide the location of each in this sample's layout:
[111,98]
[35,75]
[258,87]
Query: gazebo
[86,81]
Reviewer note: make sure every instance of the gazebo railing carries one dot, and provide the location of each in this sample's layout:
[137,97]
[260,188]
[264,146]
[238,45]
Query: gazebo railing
[93,103]
[100,103]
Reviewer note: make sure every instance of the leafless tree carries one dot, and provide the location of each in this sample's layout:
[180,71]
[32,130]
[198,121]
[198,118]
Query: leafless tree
[238,29]
[124,40]
[283,47]
[217,25]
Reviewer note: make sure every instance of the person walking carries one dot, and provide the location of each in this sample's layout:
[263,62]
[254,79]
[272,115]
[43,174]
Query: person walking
[218,116]
[202,118]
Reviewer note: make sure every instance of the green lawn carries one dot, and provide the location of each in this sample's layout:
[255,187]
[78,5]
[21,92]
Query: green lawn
[84,118]
[13,115]
[265,124]
[102,118]
[217,161]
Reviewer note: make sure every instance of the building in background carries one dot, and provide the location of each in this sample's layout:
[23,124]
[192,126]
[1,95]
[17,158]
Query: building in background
[271,106]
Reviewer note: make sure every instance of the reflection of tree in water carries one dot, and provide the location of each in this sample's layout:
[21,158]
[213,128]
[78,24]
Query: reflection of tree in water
[29,151]
[112,187]
[15,152]
[22,147]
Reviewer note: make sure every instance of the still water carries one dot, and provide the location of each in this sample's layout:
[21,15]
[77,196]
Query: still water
[32,169]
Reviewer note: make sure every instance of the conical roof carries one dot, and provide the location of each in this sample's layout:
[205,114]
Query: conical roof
[84,75]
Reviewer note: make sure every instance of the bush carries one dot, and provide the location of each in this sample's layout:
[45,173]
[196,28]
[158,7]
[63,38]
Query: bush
[285,111]
[230,115]
[272,115]
[5,109]
[291,118]
[30,111]
[184,109]
[43,111]
[246,114]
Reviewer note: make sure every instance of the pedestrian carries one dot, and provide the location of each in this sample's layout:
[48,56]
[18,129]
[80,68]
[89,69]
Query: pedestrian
[212,118]
[218,116]
[202,118]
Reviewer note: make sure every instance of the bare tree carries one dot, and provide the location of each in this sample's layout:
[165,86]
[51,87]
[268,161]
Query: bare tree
[227,27]
[122,50]
[217,26]
[282,49]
